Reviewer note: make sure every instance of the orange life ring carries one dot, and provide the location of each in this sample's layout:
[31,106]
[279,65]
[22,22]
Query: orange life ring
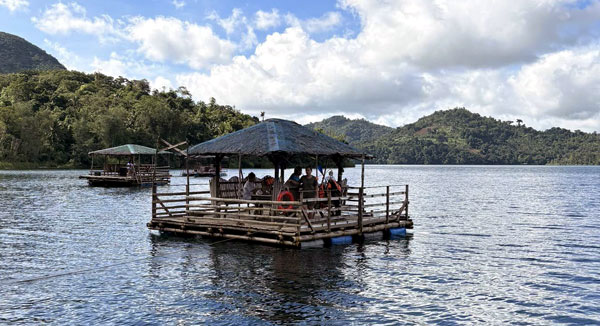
[285,196]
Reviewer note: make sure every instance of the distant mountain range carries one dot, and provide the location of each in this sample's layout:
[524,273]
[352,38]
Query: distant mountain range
[16,55]
[459,136]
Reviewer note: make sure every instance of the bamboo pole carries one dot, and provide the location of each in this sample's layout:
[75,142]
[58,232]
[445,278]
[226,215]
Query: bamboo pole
[154,197]
[233,236]
[217,175]
[329,210]
[187,176]
[387,204]
[360,195]
[406,201]
[317,171]
[339,164]
[246,201]
[240,176]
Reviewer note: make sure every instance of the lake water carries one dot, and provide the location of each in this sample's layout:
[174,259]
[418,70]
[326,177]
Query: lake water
[491,245]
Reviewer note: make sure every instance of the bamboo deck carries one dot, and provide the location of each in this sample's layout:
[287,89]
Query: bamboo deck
[141,176]
[265,221]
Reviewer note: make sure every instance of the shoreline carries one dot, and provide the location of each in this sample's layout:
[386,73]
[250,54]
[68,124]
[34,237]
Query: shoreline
[24,166]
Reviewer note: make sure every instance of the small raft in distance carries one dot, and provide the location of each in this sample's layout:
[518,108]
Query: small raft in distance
[127,166]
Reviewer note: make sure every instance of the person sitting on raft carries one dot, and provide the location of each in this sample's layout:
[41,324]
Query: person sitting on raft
[309,186]
[249,187]
[328,177]
[293,183]
[329,184]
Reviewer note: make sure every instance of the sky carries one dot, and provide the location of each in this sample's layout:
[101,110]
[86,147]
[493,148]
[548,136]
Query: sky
[390,62]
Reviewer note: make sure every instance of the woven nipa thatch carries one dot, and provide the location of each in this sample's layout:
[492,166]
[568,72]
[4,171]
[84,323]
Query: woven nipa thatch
[276,137]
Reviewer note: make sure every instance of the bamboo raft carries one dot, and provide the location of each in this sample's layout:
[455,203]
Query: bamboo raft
[142,175]
[282,223]
[339,214]
[133,173]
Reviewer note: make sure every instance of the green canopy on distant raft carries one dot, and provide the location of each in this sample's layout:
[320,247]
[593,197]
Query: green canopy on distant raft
[127,150]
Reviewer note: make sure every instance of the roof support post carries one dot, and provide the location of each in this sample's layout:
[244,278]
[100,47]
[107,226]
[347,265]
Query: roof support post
[361,197]
[240,176]
[187,184]
[154,197]
[240,166]
[362,171]
[218,175]
[317,168]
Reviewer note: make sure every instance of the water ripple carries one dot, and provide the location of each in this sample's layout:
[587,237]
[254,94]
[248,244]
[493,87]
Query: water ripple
[492,245]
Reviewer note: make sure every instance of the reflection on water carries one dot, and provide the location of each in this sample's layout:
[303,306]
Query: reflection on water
[279,285]
[504,245]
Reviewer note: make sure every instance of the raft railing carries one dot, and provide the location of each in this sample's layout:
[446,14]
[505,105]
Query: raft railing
[360,209]
[143,173]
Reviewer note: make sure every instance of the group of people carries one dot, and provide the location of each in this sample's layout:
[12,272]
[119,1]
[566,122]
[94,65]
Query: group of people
[307,182]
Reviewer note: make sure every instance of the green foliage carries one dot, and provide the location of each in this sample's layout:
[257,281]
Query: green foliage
[354,132]
[16,54]
[460,137]
[54,118]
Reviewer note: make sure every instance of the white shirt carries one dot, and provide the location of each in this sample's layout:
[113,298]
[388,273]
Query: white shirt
[248,189]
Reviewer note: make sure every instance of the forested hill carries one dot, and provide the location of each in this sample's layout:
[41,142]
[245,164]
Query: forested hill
[460,137]
[16,54]
[355,132]
[54,118]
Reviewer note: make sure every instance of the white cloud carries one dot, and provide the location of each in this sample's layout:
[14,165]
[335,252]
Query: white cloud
[14,5]
[560,89]
[170,39]
[324,23]
[315,25]
[160,39]
[161,83]
[129,67]
[292,73]
[414,57]
[265,20]
[115,66]
[564,84]
[537,60]
[231,23]
[178,3]
[67,58]
[249,39]
[470,33]
[63,18]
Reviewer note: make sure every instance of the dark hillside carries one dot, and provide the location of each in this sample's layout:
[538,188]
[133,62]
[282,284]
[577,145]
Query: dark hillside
[16,55]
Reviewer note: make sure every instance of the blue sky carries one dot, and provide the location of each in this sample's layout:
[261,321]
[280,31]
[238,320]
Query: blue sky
[390,62]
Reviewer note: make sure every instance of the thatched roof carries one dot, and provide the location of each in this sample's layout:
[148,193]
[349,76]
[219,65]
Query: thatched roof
[127,150]
[276,137]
